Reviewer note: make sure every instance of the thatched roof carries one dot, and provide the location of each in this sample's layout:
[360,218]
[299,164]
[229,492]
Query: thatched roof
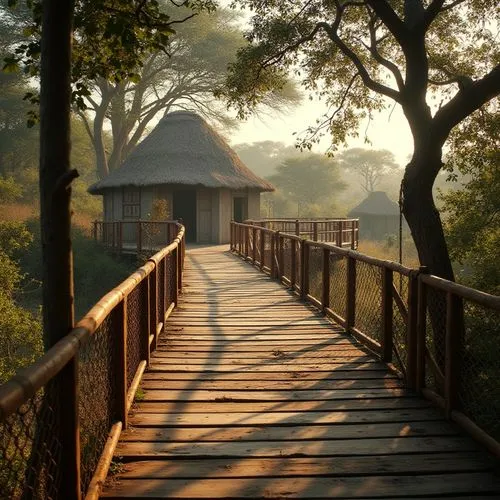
[376,203]
[183,149]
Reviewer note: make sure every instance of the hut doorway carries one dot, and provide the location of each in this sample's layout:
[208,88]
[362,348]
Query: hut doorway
[184,201]
[240,206]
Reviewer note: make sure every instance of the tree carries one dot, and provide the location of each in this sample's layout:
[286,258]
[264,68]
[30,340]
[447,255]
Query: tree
[360,55]
[184,78]
[371,165]
[309,180]
[263,157]
[472,224]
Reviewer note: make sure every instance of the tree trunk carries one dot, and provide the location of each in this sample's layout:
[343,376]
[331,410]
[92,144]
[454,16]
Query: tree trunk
[427,232]
[57,266]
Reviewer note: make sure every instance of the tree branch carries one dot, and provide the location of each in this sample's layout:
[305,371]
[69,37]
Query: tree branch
[469,98]
[391,20]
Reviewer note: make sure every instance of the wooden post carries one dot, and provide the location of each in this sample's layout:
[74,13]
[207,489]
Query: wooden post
[262,248]
[351,294]
[94,230]
[273,255]
[153,306]
[454,340]
[293,263]
[145,336]
[231,236]
[297,227]
[421,334]
[353,235]
[325,295]
[247,238]
[304,280]
[120,235]
[121,362]
[387,315]
[176,261]
[411,336]
[254,245]
[315,231]
[338,236]
[281,271]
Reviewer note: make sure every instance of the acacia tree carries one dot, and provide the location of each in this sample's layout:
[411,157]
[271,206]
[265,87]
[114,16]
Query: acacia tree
[360,55]
[369,164]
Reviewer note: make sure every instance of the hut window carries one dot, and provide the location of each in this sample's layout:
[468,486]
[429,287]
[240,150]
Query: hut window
[131,203]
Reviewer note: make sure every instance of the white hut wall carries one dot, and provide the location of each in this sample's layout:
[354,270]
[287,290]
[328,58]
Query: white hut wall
[225,215]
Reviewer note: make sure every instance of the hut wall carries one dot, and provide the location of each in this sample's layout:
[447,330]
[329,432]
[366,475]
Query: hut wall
[147,197]
[215,216]
[204,216]
[225,215]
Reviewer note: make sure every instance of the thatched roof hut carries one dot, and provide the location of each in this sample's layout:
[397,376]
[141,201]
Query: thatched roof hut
[189,166]
[378,216]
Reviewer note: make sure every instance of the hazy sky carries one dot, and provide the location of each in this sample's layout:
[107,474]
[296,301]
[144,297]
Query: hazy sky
[387,131]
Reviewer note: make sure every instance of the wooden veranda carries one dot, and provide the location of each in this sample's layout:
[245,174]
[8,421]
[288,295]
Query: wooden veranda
[254,394]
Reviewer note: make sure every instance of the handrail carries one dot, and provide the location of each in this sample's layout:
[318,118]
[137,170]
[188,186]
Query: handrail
[104,334]
[423,326]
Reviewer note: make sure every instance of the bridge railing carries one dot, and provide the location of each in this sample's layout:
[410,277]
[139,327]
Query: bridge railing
[442,338]
[342,232]
[57,440]
[138,236]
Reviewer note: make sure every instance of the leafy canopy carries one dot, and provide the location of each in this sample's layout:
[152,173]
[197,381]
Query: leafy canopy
[359,55]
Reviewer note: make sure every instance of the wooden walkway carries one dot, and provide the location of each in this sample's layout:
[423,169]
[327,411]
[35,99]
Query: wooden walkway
[252,394]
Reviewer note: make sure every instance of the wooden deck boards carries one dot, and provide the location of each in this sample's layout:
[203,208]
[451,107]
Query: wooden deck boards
[252,394]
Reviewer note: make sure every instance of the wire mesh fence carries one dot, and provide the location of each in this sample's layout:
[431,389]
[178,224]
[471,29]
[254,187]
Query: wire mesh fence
[30,450]
[400,322]
[338,284]
[286,257]
[369,300]
[315,271]
[479,381]
[38,434]
[97,373]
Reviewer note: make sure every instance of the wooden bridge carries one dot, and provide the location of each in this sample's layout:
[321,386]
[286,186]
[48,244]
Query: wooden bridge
[249,389]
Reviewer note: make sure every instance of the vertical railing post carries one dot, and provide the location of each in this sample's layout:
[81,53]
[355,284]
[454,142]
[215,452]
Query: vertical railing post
[254,245]
[273,255]
[293,263]
[247,241]
[94,230]
[231,236]
[315,231]
[325,295]
[120,236]
[153,306]
[421,334]
[297,228]
[387,314]
[121,362]
[338,235]
[178,266]
[304,268]
[411,336]
[262,247]
[454,342]
[281,270]
[351,293]
[145,336]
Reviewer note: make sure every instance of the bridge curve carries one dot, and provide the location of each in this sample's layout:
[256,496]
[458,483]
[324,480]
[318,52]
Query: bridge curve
[252,393]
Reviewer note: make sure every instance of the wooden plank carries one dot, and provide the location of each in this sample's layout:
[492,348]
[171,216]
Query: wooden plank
[304,488]
[284,418]
[320,466]
[269,433]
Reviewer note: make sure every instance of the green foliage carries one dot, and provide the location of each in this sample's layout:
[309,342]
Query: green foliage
[95,271]
[311,179]
[14,237]
[110,39]
[473,212]
[9,190]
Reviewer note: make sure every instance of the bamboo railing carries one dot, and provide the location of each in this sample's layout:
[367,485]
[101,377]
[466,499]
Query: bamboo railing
[109,349]
[442,338]
[134,236]
[342,232]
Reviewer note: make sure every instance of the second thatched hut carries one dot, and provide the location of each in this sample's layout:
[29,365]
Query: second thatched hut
[188,167]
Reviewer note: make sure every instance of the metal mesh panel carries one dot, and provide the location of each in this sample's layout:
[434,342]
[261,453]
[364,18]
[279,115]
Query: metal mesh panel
[479,366]
[369,300]
[30,452]
[298,264]
[287,257]
[137,327]
[97,396]
[315,272]
[338,284]
[399,324]
[435,339]
[171,278]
